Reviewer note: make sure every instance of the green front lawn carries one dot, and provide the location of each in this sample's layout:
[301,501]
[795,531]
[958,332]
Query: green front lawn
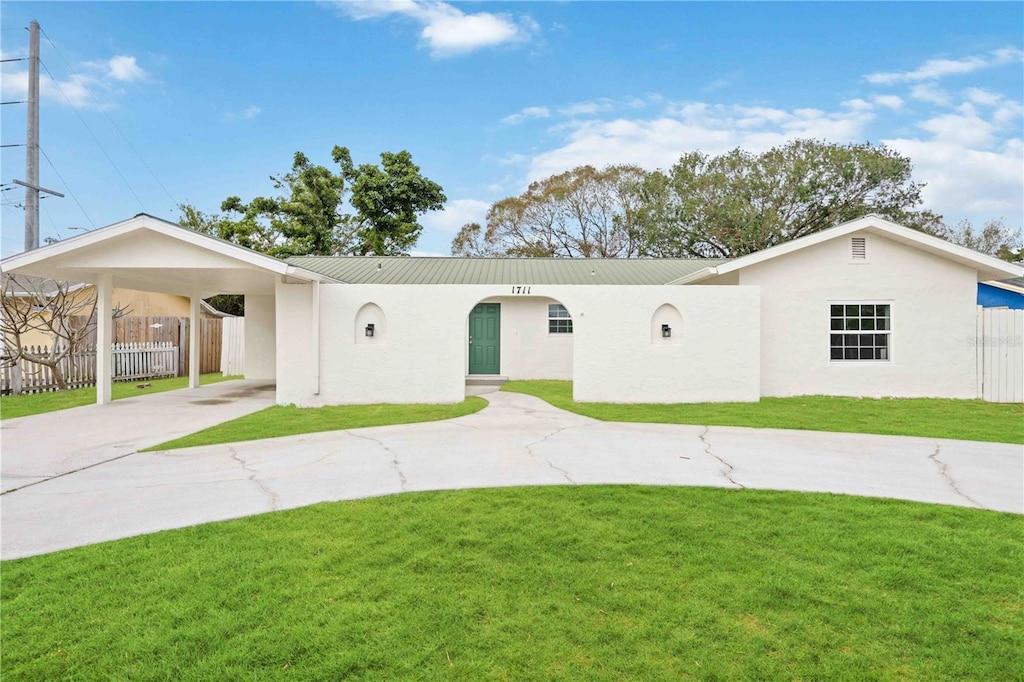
[288,420]
[12,406]
[930,417]
[557,583]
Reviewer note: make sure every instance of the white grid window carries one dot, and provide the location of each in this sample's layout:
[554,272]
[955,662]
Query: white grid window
[559,321]
[860,332]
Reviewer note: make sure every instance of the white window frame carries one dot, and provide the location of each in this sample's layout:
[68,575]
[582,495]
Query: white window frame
[556,319]
[857,330]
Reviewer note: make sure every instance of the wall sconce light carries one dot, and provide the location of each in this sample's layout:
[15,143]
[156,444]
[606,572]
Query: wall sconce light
[666,331]
[369,329]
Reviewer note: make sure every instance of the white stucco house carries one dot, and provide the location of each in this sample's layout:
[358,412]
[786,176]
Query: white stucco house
[867,308]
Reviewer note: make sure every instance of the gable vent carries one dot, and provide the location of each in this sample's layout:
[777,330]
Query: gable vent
[858,248]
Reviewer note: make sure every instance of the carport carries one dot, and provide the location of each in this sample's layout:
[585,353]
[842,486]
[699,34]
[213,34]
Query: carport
[149,254]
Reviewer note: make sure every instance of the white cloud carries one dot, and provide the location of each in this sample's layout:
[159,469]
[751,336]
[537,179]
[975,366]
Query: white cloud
[711,128]
[983,97]
[591,108]
[717,84]
[125,68]
[933,69]
[965,144]
[961,181]
[250,112]
[893,102]
[525,114]
[513,159]
[928,92]
[964,128]
[858,104]
[969,156]
[456,213]
[96,85]
[447,30]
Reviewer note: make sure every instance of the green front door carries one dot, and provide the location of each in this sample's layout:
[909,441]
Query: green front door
[485,339]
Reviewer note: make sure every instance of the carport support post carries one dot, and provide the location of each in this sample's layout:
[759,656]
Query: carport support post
[104,337]
[193,342]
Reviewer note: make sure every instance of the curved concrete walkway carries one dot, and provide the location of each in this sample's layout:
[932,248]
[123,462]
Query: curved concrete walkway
[516,440]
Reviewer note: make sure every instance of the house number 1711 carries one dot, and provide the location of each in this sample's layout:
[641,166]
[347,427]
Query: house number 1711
[520,290]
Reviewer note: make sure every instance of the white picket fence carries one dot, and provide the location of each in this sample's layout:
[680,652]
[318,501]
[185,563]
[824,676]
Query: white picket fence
[232,346]
[1000,344]
[130,362]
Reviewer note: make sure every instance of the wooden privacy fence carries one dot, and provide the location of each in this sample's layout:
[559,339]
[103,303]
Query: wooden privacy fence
[1000,344]
[173,330]
[130,361]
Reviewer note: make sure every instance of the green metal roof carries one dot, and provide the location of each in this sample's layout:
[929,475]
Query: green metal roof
[403,270]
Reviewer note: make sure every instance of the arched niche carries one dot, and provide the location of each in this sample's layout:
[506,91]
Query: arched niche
[666,314]
[371,313]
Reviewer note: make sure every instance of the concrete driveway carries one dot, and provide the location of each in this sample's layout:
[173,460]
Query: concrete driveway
[517,440]
[41,447]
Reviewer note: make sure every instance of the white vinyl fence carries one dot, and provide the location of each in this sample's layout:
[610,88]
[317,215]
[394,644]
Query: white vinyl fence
[144,360]
[130,362]
[232,346]
[1000,344]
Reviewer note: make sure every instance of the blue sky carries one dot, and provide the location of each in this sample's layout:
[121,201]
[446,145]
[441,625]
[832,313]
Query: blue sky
[165,103]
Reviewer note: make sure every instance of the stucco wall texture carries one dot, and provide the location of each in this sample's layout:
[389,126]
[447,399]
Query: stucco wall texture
[934,317]
[763,331]
[611,356]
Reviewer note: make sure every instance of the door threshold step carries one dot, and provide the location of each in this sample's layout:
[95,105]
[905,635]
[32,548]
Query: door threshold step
[485,380]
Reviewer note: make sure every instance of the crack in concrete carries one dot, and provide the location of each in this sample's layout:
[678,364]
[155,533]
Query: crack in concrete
[530,446]
[252,477]
[729,468]
[68,473]
[944,472]
[395,463]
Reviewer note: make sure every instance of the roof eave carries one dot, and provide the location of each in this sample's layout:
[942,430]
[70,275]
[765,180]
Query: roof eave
[698,276]
[988,267]
[1005,286]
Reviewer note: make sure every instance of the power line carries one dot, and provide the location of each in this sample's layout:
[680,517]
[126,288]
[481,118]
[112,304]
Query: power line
[116,127]
[93,135]
[68,187]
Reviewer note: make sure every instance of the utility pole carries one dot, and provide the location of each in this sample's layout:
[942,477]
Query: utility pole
[32,146]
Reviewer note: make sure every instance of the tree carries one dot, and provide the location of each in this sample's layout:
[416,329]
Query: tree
[738,203]
[387,202]
[308,216]
[66,315]
[704,206]
[994,238]
[582,213]
[469,242]
[209,223]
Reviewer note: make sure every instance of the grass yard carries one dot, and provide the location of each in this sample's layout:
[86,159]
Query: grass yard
[930,417]
[556,583]
[12,406]
[288,420]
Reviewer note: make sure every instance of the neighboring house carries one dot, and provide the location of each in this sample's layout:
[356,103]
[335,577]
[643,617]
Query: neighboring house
[1007,293]
[130,303]
[867,308]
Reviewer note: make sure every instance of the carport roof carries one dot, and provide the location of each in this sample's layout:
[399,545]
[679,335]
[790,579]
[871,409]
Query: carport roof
[529,271]
[146,253]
